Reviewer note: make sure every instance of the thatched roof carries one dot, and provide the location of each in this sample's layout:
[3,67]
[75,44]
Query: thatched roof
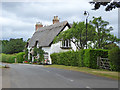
[45,35]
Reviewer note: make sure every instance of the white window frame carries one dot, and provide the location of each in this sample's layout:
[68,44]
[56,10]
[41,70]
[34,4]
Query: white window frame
[66,43]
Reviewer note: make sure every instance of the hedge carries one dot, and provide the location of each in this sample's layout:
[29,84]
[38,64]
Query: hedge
[90,57]
[7,58]
[82,58]
[20,57]
[114,57]
[10,58]
[65,58]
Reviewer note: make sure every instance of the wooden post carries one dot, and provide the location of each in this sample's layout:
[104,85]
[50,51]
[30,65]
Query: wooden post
[98,61]
[15,60]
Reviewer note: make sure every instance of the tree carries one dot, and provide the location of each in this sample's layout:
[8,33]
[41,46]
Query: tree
[111,46]
[3,44]
[103,35]
[77,34]
[14,46]
[109,4]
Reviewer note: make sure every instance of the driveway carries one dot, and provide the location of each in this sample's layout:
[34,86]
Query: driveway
[37,76]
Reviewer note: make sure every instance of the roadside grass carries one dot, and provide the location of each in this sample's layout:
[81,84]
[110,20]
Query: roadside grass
[97,72]
[1,66]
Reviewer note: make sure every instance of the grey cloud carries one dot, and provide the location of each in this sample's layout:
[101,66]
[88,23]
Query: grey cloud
[24,15]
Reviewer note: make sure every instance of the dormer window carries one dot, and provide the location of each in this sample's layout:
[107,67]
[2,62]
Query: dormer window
[66,44]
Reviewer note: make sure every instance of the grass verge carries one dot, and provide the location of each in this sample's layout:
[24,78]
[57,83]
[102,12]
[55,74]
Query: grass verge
[97,72]
[1,66]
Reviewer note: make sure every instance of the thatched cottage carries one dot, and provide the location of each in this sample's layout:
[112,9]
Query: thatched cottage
[44,36]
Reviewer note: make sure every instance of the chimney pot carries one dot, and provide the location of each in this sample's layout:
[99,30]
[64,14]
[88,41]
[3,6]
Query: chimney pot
[38,25]
[55,20]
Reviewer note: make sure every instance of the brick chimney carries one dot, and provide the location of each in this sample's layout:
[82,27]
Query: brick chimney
[55,19]
[38,25]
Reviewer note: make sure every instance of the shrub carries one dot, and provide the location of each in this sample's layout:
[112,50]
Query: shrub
[82,58]
[19,57]
[114,57]
[54,58]
[11,59]
[90,57]
[86,59]
[65,58]
[7,58]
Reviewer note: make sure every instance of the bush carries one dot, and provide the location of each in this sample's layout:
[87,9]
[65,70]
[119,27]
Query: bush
[65,58]
[54,58]
[19,57]
[90,57]
[86,59]
[10,58]
[82,58]
[7,58]
[114,57]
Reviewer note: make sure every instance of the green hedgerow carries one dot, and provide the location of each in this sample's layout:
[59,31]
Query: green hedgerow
[114,57]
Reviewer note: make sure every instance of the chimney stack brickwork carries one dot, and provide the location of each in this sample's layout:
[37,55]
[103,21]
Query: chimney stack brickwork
[55,19]
[38,25]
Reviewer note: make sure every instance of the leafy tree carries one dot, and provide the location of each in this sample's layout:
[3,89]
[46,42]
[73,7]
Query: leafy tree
[103,35]
[109,5]
[110,46]
[3,44]
[14,46]
[77,34]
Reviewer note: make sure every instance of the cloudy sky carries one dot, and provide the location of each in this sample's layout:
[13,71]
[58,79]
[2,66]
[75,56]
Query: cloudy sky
[18,18]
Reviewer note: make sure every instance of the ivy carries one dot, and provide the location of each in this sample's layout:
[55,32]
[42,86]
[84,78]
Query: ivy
[35,50]
[41,54]
[26,53]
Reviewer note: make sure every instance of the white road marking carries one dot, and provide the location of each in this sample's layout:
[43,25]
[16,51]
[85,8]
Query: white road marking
[44,70]
[64,77]
[89,88]
[71,80]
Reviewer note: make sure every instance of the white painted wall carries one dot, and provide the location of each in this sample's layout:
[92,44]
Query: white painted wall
[28,52]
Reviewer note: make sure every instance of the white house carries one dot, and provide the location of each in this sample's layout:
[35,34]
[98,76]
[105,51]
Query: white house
[44,36]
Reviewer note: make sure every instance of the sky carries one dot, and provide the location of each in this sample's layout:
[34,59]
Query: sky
[18,18]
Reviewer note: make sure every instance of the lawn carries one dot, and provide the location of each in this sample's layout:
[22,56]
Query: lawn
[98,72]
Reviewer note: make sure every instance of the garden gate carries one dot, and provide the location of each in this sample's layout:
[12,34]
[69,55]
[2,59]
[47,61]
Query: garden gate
[103,63]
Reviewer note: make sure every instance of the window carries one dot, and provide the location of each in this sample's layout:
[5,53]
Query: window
[46,57]
[66,44]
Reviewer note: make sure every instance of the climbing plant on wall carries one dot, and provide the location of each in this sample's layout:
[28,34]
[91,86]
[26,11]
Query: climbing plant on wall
[26,54]
[35,50]
[41,54]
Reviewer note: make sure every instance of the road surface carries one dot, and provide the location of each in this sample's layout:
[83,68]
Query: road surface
[36,76]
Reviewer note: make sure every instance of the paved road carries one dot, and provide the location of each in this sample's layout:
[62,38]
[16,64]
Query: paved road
[36,76]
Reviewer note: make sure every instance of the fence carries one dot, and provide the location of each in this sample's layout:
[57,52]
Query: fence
[103,63]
